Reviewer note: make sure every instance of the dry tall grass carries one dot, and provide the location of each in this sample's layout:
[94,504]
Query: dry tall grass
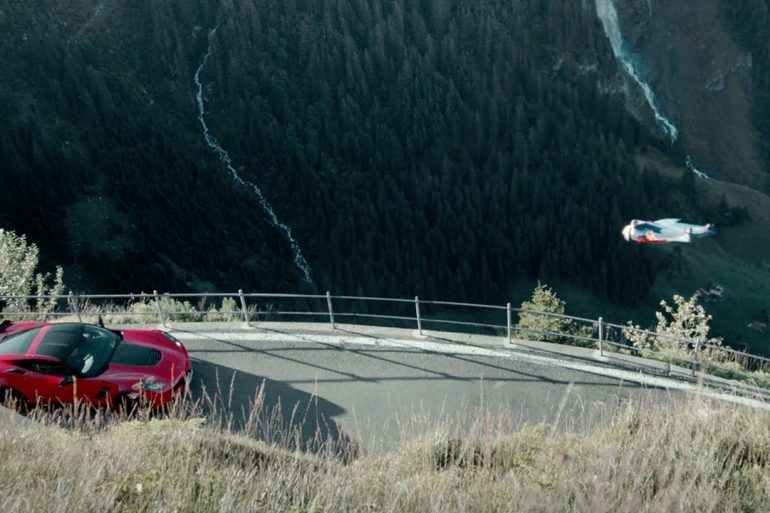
[693,456]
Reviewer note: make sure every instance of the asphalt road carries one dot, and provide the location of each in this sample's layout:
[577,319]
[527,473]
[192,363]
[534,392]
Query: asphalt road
[380,386]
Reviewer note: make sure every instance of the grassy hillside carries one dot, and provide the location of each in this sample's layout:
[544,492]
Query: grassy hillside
[695,457]
[736,260]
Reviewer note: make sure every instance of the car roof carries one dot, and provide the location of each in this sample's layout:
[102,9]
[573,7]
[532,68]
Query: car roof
[19,342]
[60,339]
[55,340]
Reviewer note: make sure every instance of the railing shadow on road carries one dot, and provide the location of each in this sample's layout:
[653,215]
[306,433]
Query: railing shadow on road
[377,353]
[428,335]
[272,352]
[431,336]
[269,410]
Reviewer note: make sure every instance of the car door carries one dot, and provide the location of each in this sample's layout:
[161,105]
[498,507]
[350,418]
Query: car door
[50,381]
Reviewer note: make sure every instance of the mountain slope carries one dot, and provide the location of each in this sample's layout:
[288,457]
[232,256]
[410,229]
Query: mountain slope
[391,137]
[707,63]
[102,164]
[703,77]
[455,150]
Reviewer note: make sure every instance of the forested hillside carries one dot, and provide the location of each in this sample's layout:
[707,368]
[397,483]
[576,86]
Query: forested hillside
[441,148]
[100,159]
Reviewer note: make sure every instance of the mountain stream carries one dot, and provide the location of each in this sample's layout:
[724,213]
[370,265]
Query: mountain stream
[224,157]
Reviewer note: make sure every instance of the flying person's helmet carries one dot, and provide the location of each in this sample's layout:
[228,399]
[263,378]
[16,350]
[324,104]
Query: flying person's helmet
[627,232]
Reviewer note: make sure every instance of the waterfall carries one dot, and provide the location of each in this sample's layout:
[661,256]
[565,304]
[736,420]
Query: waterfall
[224,157]
[605,10]
[608,15]
[691,166]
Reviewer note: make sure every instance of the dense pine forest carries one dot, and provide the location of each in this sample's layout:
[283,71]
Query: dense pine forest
[447,148]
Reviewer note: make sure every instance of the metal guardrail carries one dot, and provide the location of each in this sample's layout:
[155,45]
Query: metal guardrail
[607,337]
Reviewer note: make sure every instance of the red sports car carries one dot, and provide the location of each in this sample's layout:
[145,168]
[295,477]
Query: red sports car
[67,362]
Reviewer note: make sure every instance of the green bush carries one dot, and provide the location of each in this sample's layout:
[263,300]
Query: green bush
[19,276]
[228,311]
[146,310]
[536,323]
[679,330]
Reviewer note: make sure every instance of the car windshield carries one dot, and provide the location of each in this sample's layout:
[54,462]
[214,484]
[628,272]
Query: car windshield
[18,343]
[85,349]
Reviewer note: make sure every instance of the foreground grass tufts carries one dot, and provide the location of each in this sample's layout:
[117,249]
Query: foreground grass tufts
[694,456]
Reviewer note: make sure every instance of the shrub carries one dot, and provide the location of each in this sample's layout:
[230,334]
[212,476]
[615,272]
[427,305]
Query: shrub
[145,310]
[535,323]
[19,276]
[228,311]
[679,331]
[759,378]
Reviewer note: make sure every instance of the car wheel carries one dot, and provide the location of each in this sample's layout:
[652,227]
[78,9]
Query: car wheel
[125,404]
[183,385]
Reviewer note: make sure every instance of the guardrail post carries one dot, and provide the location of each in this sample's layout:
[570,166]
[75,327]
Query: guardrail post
[160,310]
[695,358]
[243,306]
[508,320]
[74,306]
[601,337]
[417,313]
[331,311]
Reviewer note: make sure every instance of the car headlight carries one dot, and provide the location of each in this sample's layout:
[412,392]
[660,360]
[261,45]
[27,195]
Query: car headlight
[151,385]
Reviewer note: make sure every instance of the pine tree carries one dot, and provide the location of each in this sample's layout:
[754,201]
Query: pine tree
[540,325]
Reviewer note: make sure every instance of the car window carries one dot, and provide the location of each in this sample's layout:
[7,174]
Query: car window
[82,347]
[93,355]
[18,343]
[45,367]
[60,339]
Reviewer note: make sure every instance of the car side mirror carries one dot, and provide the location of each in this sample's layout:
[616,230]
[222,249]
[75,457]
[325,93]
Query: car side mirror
[68,380]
